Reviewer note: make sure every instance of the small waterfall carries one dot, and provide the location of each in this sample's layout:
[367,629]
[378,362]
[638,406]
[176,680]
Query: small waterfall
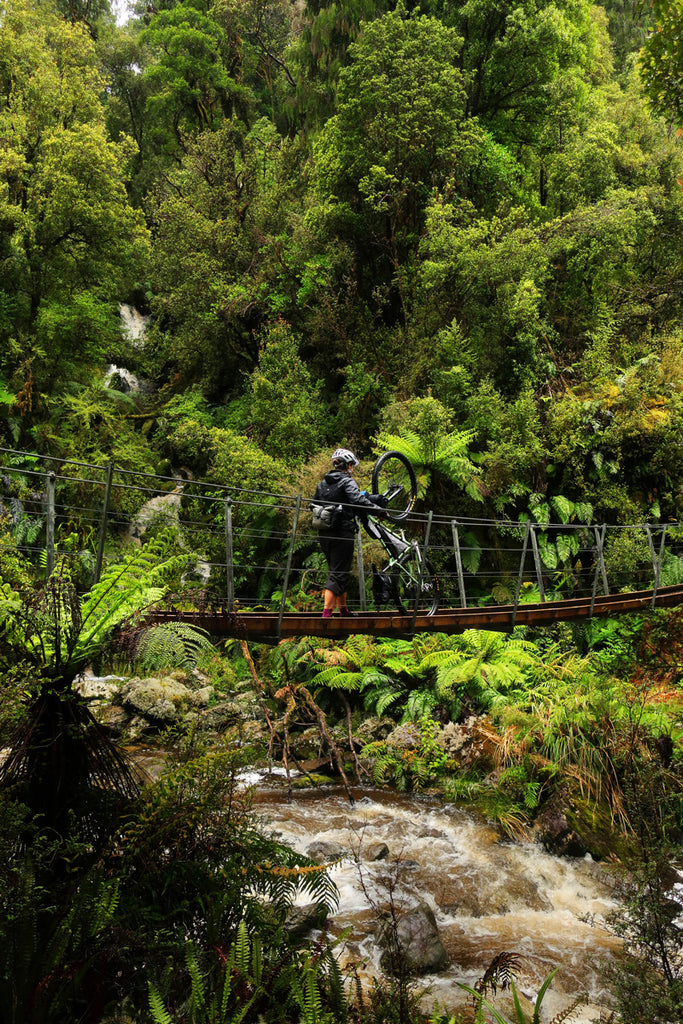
[120,379]
[134,324]
[133,327]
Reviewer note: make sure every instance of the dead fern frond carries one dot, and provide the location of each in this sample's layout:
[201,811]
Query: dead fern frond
[500,973]
[294,871]
[566,1015]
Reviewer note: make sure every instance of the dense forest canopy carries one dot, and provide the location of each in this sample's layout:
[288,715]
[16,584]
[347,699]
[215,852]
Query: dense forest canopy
[346,218]
[451,227]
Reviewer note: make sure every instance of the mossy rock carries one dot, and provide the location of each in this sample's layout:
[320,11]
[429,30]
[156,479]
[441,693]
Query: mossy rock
[573,825]
[594,823]
[313,779]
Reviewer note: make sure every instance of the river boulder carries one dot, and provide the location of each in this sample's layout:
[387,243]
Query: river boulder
[300,920]
[411,942]
[470,742]
[375,852]
[405,737]
[372,730]
[138,706]
[325,851]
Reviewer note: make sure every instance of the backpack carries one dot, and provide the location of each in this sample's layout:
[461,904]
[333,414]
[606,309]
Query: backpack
[324,517]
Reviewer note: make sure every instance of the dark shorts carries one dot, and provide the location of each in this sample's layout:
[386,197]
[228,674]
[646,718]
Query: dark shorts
[339,554]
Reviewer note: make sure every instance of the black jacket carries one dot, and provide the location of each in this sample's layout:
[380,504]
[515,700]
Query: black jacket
[337,488]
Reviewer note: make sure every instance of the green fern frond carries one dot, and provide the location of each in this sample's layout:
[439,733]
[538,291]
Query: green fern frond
[386,699]
[419,704]
[583,511]
[241,949]
[160,1014]
[336,677]
[408,442]
[257,962]
[564,508]
[197,995]
[442,659]
[171,645]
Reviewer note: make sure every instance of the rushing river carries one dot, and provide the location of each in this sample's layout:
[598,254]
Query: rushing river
[488,894]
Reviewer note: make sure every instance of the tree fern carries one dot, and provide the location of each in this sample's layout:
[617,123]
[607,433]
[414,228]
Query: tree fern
[60,756]
[446,452]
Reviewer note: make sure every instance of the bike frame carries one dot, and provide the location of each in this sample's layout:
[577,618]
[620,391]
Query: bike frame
[395,546]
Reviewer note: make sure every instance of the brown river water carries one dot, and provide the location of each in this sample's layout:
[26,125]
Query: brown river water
[488,894]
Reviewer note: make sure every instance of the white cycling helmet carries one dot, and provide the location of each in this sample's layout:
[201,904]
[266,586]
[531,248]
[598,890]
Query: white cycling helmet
[343,457]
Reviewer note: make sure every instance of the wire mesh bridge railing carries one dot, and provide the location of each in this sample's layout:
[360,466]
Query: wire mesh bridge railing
[255,549]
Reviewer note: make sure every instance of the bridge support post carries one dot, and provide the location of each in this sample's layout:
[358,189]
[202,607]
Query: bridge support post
[288,566]
[656,559]
[421,574]
[229,557]
[458,563]
[103,521]
[361,570]
[537,561]
[599,566]
[520,576]
[50,524]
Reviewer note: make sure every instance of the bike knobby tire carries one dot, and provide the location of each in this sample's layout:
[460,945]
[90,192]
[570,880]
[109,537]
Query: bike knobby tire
[394,469]
[407,590]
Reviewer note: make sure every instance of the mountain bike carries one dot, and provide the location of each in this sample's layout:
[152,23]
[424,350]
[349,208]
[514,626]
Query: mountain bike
[408,580]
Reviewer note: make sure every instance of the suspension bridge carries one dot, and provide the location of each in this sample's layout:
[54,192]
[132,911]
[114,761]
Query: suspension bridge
[258,570]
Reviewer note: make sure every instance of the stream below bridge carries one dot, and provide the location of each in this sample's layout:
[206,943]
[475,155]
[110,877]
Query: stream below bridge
[488,894]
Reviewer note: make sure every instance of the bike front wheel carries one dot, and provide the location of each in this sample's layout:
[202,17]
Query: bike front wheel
[407,589]
[393,475]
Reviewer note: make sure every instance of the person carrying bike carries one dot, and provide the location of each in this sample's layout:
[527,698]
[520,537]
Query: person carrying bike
[338,488]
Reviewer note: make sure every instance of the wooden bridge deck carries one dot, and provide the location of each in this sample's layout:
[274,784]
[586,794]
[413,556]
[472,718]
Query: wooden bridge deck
[266,626]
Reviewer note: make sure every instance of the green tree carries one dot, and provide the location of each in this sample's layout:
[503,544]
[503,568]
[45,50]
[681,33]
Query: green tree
[628,28]
[70,244]
[661,59]
[398,133]
[231,252]
[321,49]
[193,73]
[122,58]
[484,278]
[286,408]
[521,59]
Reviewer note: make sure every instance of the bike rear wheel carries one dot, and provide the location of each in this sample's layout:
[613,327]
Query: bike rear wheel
[407,589]
[393,471]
